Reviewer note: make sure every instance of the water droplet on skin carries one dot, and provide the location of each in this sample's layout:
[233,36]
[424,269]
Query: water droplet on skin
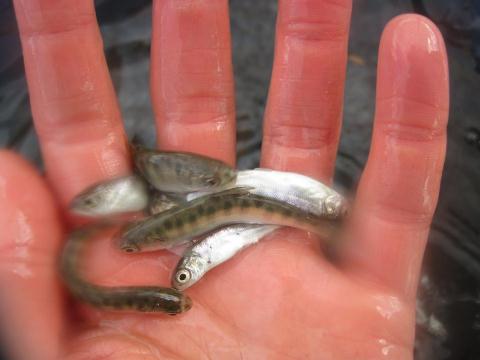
[386,347]
[387,306]
[25,234]
[22,235]
[22,271]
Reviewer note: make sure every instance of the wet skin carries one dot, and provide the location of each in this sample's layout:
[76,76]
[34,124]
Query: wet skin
[280,298]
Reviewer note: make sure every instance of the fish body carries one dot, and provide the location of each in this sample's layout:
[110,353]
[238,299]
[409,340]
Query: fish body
[295,189]
[182,172]
[197,217]
[160,201]
[123,298]
[120,195]
[215,249]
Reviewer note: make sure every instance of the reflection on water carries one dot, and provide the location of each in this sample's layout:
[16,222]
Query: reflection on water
[448,310]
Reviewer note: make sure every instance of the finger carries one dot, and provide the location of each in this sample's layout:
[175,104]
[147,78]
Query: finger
[30,299]
[304,109]
[400,185]
[192,78]
[73,102]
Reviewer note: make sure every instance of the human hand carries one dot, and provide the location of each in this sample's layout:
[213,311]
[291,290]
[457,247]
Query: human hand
[280,298]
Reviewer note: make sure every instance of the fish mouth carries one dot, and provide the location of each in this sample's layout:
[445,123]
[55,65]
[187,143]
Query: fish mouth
[336,206]
[77,206]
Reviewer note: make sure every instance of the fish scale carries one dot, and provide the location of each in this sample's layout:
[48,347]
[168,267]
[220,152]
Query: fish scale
[295,189]
[181,172]
[179,225]
[124,298]
[215,249]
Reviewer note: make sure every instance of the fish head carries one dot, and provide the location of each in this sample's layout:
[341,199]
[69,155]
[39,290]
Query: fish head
[336,206]
[113,196]
[189,270]
[91,202]
[221,177]
[126,238]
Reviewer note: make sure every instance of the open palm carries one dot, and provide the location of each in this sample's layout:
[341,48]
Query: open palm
[281,298]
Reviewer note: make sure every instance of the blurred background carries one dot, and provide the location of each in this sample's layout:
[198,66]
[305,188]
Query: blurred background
[448,306]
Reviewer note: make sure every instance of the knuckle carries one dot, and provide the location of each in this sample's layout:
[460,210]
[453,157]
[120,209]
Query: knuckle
[315,31]
[412,119]
[317,21]
[301,136]
[58,28]
[54,17]
[219,119]
[411,132]
[77,113]
[396,213]
[23,260]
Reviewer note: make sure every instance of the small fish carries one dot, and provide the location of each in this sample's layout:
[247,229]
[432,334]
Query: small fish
[197,217]
[215,249]
[120,195]
[182,172]
[124,298]
[295,189]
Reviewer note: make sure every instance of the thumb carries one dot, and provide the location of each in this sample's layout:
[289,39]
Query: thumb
[30,296]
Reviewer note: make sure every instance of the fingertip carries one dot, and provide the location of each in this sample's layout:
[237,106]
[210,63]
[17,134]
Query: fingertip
[412,30]
[21,186]
[13,169]
[29,214]
[31,232]
[412,47]
[9,158]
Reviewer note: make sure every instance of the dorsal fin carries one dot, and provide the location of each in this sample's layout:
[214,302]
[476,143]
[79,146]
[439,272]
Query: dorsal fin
[240,190]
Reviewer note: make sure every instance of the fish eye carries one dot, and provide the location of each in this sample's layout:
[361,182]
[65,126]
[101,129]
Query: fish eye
[183,276]
[129,248]
[212,181]
[90,202]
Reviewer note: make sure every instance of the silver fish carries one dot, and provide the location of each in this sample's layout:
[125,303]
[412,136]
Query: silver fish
[120,195]
[295,189]
[214,250]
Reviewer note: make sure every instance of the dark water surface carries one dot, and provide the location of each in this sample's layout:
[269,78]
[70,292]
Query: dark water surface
[448,311]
